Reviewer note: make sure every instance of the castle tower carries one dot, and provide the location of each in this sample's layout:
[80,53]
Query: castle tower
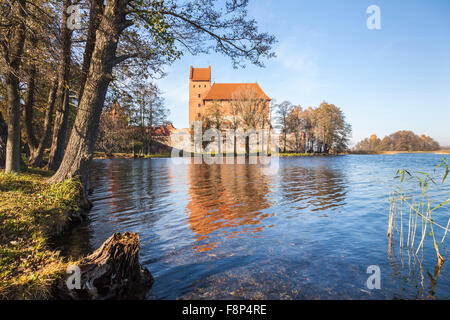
[199,86]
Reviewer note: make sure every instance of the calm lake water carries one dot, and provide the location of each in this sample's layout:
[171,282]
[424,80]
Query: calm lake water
[233,232]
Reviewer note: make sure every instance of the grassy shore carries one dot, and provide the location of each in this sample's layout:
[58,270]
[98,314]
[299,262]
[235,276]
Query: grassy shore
[123,155]
[31,211]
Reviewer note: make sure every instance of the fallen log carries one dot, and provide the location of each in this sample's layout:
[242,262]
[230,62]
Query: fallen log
[112,271]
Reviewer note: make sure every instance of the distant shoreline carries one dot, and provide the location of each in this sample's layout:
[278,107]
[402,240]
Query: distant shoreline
[398,152]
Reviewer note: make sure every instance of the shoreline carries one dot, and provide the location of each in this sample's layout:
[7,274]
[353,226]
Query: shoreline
[103,156]
[32,213]
[442,152]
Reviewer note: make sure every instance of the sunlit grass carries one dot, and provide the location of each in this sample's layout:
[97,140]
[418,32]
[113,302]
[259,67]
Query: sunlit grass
[30,212]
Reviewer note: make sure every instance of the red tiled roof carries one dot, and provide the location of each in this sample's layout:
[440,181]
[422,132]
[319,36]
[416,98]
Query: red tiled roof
[163,130]
[225,91]
[200,74]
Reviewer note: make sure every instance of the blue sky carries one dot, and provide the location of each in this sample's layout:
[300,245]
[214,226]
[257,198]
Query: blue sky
[396,78]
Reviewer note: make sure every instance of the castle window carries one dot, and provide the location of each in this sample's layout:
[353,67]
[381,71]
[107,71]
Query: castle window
[199,95]
[205,85]
[199,105]
[198,115]
[194,85]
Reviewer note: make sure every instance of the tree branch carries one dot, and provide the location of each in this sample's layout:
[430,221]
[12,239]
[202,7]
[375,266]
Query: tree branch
[124,57]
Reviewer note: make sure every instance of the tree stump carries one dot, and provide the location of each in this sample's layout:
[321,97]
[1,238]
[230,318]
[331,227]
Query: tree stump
[112,271]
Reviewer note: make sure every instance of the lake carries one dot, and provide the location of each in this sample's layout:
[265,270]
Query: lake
[310,231]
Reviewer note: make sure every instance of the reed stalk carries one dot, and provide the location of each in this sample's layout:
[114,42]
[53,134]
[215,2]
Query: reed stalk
[422,208]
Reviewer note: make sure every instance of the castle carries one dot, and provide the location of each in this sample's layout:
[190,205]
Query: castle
[202,93]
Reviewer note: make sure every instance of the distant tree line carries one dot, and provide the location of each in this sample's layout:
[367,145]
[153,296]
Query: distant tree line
[322,129]
[403,140]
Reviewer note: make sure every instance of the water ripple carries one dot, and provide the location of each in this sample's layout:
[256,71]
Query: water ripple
[230,231]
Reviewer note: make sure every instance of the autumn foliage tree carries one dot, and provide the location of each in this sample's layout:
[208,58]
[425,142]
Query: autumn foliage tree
[296,126]
[323,129]
[403,140]
[332,131]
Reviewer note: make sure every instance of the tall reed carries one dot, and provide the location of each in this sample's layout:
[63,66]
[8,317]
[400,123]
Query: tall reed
[419,209]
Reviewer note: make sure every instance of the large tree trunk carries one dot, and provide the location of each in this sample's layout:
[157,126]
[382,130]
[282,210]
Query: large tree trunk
[13,60]
[3,139]
[12,163]
[36,156]
[29,104]
[59,133]
[95,16]
[61,104]
[81,144]
[111,271]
